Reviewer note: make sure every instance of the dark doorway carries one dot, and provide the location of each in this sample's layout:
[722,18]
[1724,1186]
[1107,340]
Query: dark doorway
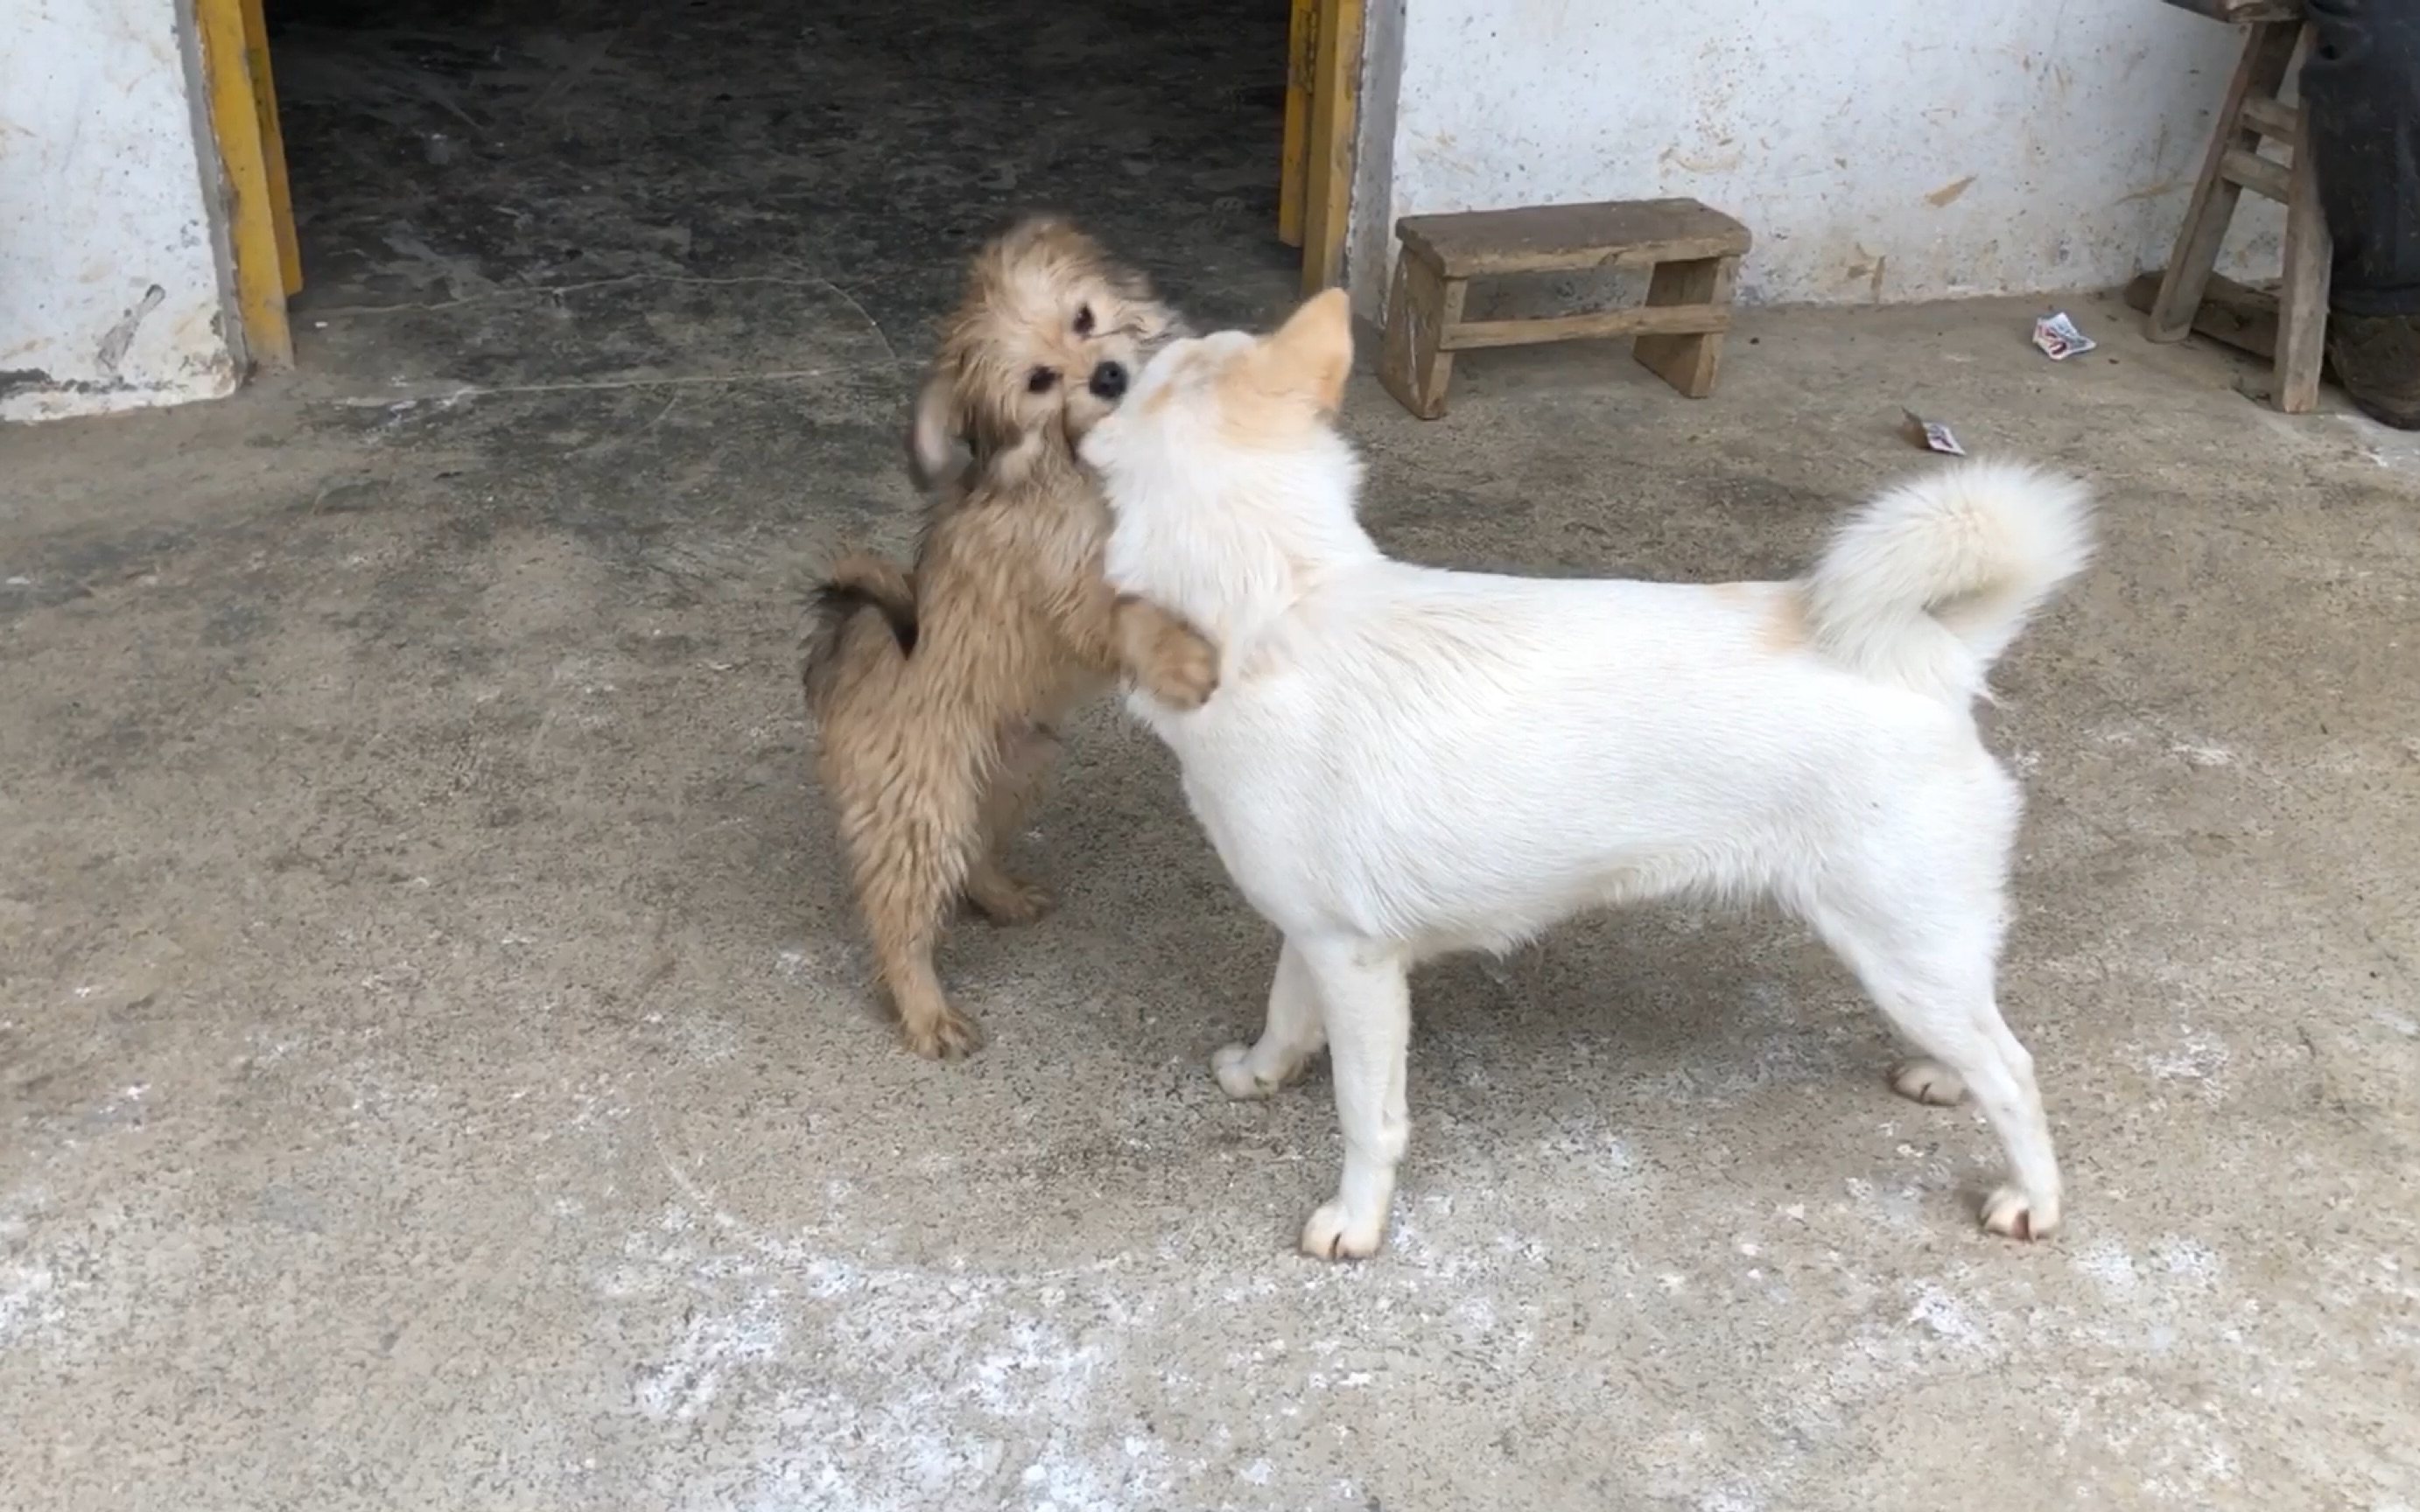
[499,194]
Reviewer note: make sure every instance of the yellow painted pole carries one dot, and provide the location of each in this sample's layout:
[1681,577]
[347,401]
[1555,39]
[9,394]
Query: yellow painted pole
[1335,102]
[1302,66]
[273,145]
[252,224]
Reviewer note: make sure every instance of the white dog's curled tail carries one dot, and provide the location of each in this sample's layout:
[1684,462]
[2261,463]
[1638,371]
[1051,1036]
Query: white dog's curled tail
[1929,582]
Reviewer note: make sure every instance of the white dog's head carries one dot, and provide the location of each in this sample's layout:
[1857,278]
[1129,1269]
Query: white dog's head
[1224,470]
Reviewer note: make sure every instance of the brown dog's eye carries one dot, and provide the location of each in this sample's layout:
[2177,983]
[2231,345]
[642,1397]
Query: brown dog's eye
[1040,379]
[1084,321]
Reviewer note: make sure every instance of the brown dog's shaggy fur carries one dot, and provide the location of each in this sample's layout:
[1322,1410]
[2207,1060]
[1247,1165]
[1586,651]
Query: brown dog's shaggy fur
[935,692]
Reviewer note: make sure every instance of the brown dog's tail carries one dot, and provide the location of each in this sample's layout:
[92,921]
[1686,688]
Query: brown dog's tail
[864,626]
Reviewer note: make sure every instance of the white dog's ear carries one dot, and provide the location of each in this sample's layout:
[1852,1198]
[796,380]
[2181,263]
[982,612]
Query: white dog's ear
[1310,356]
[931,432]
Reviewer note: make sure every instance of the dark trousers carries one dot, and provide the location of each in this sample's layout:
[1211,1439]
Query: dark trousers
[2362,81]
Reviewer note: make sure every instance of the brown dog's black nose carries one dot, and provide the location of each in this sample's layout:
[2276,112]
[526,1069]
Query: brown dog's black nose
[1109,382]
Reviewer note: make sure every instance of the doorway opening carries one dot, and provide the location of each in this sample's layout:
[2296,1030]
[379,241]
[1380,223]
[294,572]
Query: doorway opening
[415,157]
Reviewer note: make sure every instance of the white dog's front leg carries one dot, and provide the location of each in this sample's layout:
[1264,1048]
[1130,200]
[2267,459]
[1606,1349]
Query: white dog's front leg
[1366,1002]
[1289,1039]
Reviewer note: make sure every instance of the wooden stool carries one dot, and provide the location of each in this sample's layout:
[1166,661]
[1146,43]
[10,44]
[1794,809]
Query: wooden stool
[2251,112]
[1694,252]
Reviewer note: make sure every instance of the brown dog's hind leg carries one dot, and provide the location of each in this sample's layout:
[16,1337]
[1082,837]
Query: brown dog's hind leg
[1027,756]
[909,837]
[906,896]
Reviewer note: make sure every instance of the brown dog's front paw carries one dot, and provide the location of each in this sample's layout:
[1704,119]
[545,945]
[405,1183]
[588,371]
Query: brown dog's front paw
[948,1035]
[1187,672]
[1166,657]
[1007,900]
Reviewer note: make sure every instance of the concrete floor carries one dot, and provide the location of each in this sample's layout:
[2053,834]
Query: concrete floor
[436,1065]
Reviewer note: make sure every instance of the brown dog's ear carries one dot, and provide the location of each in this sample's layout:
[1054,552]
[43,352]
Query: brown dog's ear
[1310,356]
[934,428]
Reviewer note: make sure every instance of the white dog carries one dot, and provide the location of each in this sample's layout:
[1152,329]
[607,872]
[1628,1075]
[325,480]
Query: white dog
[1402,762]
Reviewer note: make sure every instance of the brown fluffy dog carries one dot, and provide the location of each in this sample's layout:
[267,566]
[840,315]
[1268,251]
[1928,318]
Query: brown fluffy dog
[935,692]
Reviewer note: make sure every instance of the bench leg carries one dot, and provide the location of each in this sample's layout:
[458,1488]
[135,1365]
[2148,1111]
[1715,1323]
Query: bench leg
[1412,361]
[2266,57]
[2302,297]
[1687,363]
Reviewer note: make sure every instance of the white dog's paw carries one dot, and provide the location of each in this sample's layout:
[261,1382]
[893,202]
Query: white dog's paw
[1928,1081]
[1332,1234]
[2011,1215]
[1232,1066]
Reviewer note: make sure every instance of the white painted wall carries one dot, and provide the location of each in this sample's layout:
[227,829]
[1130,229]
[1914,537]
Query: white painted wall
[1895,150]
[112,259]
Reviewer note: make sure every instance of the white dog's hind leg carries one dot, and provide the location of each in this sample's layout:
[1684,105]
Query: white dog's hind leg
[1923,1080]
[1292,1035]
[1939,995]
[1367,1004]
[2030,1208]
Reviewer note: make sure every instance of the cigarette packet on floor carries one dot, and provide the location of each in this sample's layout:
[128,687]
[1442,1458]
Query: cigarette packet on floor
[2056,335]
[1929,434]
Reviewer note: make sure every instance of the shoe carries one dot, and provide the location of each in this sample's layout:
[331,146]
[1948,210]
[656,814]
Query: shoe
[2376,358]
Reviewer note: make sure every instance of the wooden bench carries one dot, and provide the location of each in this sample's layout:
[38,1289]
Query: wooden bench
[1693,253]
[2250,113]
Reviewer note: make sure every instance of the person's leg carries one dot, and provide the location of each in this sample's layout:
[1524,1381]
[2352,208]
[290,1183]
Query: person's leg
[2362,84]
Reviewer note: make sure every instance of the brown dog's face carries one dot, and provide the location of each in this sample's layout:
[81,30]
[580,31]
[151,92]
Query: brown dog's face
[1048,338]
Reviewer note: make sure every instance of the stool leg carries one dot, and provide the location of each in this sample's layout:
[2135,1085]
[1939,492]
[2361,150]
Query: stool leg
[2266,54]
[2302,297]
[1413,364]
[1687,363]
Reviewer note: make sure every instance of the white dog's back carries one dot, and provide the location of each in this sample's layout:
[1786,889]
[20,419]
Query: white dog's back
[1455,760]
[1624,740]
